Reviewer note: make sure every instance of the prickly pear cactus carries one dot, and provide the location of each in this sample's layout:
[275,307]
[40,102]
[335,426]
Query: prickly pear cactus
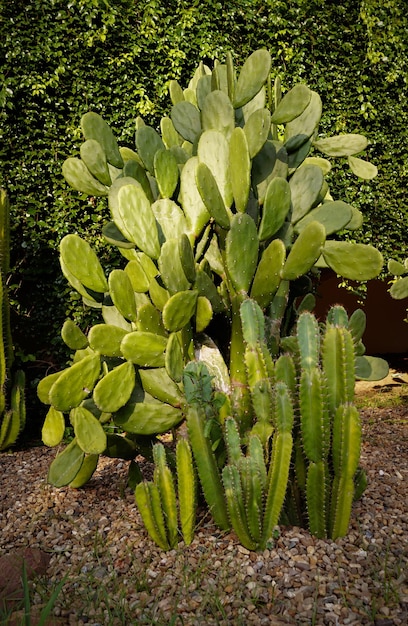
[227,201]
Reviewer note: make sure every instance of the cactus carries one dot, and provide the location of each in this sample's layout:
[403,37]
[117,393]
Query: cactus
[157,499]
[12,384]
[220,216]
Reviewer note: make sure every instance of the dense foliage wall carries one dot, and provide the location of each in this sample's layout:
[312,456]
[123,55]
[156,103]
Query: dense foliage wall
[60,59]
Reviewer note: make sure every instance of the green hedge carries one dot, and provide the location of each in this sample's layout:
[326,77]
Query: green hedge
[60,59]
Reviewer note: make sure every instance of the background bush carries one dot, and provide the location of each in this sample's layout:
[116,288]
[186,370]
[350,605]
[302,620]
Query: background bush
[60,59]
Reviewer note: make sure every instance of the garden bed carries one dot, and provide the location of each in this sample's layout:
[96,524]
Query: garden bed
[116,575]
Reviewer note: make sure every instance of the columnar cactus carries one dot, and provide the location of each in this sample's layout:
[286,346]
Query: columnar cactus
[12,401]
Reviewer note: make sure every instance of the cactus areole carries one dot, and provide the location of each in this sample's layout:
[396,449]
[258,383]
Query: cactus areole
[222,217]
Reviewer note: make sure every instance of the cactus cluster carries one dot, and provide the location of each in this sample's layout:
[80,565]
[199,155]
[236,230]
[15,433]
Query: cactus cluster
[12,384]
[222,216]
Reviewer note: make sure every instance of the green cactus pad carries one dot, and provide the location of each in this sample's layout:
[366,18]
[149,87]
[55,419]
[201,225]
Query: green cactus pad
[240,169]
[158,384]
[292,104]
[66,465]
[179,309]
[305,186]
[211,196]
[81,261]
[276,207]
[213,150]
[148,418]
[158,294]
[73,336]
[371,368]
[271,161]
[135,219]
[190,198]
[334,215]
[355,261]
[170,217]
[186,119]
[342,145]
[44,386]
[137,275]
[252,77]
[217,113]
[94,157]
[362,169]
[268,274]
[396,268]
[174,361]
[122,294]
[115,388]
[113,235]
[88,467]
[203,89]
[305,251]
[106,339]
[94,127]
[75,383]
[166,172]
[80,178]
[89,431]
[170,136]
[171,269]
[149,319]
[204,314]
[144,349]
[53,428]
[187,258]
[148,142]
[257,129]
[399,289]
[241,250]
[299,130]
[206,288]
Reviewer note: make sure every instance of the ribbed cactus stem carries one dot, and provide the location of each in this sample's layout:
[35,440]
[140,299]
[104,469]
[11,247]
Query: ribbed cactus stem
[240,396]
[236,507]
[164,480]
[207,466]
[346,456]
[338,364]
[148,500]
[187,489]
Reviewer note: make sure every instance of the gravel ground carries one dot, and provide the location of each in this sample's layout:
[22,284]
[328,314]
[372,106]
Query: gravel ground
[116,575]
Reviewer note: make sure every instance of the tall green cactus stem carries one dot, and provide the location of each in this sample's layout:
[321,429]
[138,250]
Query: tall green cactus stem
[207,468]
[278,473]
[12,400]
